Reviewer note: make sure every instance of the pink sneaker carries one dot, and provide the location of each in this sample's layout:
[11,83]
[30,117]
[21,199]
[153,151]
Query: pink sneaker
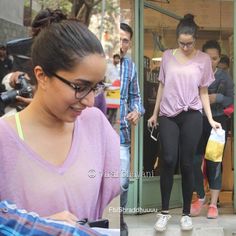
[196,207]
[212,212]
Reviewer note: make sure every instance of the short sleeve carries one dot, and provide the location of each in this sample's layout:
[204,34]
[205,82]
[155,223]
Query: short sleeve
[207,75]
[161,76]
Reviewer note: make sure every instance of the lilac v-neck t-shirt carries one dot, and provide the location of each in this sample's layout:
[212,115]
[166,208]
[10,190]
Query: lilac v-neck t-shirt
[182,82]
[84,184]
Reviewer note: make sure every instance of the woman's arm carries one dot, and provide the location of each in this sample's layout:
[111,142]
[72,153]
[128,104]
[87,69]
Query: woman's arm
[153,119]
[203,91]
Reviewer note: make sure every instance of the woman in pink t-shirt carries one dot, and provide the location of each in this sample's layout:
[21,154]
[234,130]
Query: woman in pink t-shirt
[185,74]
[59,157]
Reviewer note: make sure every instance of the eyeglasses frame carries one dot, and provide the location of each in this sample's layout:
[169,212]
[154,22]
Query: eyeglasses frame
[98,86]
[187,45]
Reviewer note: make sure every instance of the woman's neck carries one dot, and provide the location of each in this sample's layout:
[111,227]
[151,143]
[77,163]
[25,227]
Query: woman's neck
[189,54]
[36,114]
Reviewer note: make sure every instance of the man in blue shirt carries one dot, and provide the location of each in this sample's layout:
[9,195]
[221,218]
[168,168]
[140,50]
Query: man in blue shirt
[131,110]
[14,221]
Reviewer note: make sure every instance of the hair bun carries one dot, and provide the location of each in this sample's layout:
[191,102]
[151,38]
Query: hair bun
[47,16]
[189,17]
[57,15]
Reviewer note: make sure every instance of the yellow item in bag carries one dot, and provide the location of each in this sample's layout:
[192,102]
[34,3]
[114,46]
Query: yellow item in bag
[215,145]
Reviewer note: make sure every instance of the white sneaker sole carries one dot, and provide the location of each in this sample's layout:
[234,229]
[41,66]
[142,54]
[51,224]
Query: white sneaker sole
[187,228]
[159,229]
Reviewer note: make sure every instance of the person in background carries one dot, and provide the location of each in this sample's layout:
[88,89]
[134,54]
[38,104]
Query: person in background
[116,61]
[6,62]
[131,110]
[59,153]
[113,101]
[100,103]
[19,222]
[5,67]
[113,69]
[224,63]
[185,74]
[221,95]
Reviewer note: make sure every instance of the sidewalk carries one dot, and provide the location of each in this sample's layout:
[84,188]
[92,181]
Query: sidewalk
[225,225]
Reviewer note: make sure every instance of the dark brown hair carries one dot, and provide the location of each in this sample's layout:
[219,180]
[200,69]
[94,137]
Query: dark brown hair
[46,17]
[187,26]
[60,46]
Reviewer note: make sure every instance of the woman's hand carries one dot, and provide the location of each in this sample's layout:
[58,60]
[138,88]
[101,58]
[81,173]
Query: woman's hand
[152,121]
[215,125]
[64,216]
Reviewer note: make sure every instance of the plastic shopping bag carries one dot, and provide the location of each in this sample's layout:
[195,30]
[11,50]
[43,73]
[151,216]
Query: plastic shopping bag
[215,145]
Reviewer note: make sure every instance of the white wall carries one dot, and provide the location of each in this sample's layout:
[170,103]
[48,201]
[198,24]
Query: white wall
[12,10]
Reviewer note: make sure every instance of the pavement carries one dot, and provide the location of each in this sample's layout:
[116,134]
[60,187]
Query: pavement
[224,225]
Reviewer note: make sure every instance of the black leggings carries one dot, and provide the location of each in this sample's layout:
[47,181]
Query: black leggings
[179,138]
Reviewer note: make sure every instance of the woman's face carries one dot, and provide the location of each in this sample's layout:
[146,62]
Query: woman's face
[61,99]
[186,43]
[215,57]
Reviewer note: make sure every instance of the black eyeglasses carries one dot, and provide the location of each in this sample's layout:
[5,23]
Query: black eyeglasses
[82,91]
[187,45]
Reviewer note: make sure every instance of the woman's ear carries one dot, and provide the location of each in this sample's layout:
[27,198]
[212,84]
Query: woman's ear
[40,77]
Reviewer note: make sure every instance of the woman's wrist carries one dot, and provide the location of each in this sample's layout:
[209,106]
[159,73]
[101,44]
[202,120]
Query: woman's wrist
[210,119]
[155,113]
